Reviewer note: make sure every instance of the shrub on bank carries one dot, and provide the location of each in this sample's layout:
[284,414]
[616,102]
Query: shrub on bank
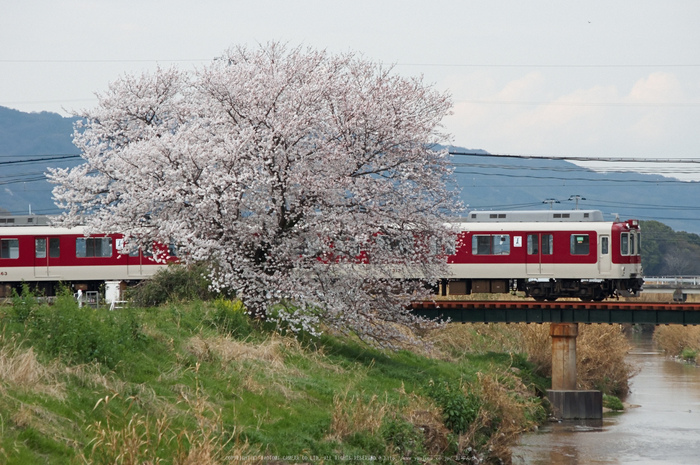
[177,283]
[679,341]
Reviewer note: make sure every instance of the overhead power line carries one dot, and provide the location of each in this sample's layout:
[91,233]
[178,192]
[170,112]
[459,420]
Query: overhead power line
[38,160]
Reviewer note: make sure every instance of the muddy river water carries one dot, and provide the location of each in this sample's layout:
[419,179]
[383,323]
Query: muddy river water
[663,428]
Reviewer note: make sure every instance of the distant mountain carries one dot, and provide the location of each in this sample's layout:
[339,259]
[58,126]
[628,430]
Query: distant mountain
[490,182]
[487,182]
[25,137]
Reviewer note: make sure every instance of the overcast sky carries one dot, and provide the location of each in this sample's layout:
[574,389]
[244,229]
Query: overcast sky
[596,78]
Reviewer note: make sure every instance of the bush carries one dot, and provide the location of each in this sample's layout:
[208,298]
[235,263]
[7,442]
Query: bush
[612,402]
[174,283]
[405,440]
[459,410]
[24,304]
[689,354]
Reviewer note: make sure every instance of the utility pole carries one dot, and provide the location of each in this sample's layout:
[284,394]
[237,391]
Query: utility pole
[550,202]
[577,198]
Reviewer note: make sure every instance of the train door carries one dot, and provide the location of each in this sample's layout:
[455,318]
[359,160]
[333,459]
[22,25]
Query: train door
[540,250]
[47,253]
[134,263]
[132,258]
[604,259]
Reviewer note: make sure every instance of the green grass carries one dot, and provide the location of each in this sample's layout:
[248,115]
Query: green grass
[163,384]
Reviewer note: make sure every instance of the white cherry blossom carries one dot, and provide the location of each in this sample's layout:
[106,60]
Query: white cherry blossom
[309,181]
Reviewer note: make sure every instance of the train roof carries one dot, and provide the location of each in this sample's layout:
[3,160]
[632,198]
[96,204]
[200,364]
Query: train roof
[24,220]
[551,216]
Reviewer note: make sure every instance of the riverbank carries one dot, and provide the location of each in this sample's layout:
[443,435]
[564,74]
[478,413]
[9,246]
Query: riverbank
[200,383]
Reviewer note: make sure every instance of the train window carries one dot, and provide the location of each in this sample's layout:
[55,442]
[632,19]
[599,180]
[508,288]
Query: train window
[625,244]
[492,244]
[604,245]
[580,244]
[54,247]
[9,248]
[93,247]
[547,244]
[533,247]
[632,248]
[40,247]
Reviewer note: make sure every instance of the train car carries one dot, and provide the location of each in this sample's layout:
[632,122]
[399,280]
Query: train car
[546,254]
[33,252]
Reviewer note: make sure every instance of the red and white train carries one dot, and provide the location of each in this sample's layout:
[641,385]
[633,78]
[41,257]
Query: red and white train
[33,252]
[546,254]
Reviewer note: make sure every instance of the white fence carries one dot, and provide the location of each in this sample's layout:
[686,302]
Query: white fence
[672,281]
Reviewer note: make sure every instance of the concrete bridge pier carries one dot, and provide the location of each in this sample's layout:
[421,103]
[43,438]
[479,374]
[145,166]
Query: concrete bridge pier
[567,402]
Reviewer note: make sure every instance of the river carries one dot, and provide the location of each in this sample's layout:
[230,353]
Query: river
[662,429]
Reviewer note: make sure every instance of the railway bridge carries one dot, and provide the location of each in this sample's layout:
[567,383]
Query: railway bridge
[567,401]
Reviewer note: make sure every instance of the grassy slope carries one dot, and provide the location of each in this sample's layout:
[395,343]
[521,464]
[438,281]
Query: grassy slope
[197,383]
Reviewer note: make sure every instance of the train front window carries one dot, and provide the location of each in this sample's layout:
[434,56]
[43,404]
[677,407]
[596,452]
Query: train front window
[632,248]
[625,244]
[9,248]
[93,247]
[580,244]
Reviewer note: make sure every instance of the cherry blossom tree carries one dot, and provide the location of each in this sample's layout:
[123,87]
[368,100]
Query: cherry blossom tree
[308,181]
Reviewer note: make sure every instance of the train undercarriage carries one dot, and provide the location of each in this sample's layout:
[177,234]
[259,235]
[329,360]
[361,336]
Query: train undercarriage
[541,290]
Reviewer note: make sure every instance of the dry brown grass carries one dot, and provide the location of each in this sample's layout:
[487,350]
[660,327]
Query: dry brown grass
[144,440]
[600,349]
[356,414]
[363,413]
[659,297]
[20,368]
[601,352]
[230,350]
[675,339]
[456,339]
[507,411]
[425,416]
[91,375]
